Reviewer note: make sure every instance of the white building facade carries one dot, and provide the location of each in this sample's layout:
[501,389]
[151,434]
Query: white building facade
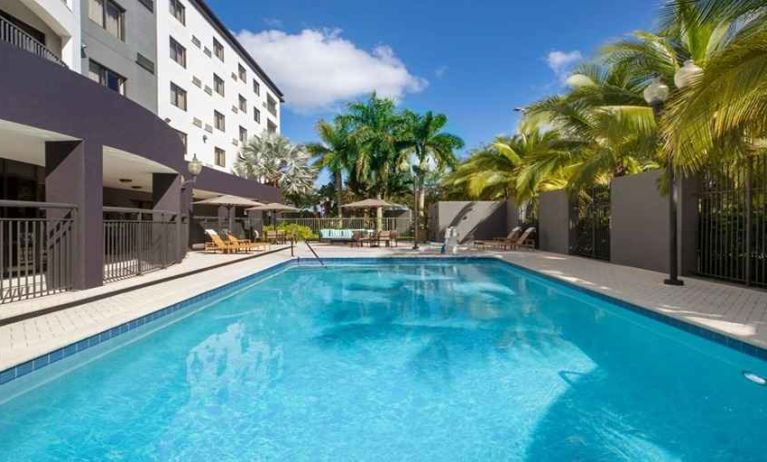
[55,24]
[209,88]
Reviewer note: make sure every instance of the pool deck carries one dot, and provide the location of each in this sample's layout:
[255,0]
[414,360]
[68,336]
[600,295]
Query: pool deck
[734,311]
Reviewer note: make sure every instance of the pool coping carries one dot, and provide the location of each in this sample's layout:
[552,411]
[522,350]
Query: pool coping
[20,370]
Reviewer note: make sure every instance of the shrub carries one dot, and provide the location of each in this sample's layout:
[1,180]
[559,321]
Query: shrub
[301,232]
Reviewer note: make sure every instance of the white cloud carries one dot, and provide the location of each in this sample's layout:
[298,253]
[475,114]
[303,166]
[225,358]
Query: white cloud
[561,62]
[318,68]
[440,71]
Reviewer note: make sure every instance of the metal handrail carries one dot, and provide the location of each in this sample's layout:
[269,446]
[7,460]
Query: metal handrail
[35,204]
[14,35]
[136,210]
[315,254]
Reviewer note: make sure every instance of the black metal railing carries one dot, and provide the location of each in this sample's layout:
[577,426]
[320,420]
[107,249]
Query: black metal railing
[732,225]
[137,241]
[37,249]
[590,223]
[13,35]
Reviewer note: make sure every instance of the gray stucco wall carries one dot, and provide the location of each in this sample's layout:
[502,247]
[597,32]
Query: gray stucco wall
[554,222]
[474,219]
[120,56]
[639,222]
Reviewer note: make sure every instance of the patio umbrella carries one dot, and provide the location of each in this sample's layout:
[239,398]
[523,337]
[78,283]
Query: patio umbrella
[229,202]
[372,204]
[274,207]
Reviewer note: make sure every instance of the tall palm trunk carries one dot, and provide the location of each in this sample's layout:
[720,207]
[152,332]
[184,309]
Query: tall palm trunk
[339,186]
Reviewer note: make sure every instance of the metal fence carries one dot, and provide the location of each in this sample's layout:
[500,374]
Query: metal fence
[37,248]
[732,225]
[138,240]
[590,223]
[404,226]
[13,35]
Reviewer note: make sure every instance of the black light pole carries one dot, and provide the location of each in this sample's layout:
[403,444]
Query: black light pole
[415,207]
[656,94]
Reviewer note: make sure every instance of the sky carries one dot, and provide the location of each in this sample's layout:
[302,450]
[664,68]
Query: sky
[474,61]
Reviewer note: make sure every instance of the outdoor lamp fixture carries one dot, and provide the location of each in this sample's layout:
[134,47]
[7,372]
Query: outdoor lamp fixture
[656,94]
[194,166]
[416,173]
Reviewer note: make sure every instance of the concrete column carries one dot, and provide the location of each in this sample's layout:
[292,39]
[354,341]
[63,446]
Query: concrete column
[73,174]
[687,222]
[166,195]
[554,221]
[187,215]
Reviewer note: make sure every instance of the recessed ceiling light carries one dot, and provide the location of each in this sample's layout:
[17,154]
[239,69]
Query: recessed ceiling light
[125,180]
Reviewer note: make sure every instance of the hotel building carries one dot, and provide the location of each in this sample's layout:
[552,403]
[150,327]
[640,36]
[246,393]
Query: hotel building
[102,105]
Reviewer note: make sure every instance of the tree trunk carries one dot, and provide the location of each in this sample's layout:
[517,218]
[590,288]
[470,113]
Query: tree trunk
[339,187]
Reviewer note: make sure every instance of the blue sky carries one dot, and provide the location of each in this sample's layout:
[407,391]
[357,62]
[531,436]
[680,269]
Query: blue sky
[473,60]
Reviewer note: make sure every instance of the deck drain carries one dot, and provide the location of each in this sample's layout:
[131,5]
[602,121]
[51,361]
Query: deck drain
[753,377]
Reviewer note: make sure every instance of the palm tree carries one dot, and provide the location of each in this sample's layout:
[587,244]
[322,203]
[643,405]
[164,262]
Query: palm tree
[423,137]
[336,152]
[377,130]
[516,167]
[274,160]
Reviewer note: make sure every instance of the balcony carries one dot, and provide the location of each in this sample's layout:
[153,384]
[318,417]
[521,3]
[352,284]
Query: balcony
[13,35]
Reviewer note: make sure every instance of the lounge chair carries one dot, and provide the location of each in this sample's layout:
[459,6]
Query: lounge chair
[526,240]
[359,239]
[247,244]
[218,244]
[501,242]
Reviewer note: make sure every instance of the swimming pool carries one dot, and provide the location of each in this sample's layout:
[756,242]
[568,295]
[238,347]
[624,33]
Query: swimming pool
[396,360]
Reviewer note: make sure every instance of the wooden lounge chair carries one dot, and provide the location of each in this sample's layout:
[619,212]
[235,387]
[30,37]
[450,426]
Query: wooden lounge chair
[358,239]
[216,244]
[526,240]
[384,236]
[247,244]
[501,242]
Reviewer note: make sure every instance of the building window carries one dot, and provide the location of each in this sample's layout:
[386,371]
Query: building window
[220,157]
[177,52]
[182,135]
[106,77]
[220,121]
[271,105]
[243,135]
[218,84]
[243,104]
[256,87]
[242,73]
[178,11]
[256,115]
[196,41]
[271,127]
[177,96]
[218,49]
[109,15]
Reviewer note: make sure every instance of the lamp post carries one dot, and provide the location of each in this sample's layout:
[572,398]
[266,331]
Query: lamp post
[416,174]
[656,94]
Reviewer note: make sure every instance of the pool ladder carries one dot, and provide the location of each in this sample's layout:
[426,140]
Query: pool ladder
[315,254]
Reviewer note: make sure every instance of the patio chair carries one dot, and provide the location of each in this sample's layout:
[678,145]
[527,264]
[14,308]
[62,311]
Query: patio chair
[384,236]
[501,242]
[526,240]
[247,244]
[358,239]
[217,244]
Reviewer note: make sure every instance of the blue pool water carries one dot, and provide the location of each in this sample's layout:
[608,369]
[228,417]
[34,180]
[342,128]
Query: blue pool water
[434,361]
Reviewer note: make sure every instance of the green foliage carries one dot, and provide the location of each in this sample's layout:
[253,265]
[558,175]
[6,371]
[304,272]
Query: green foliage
[300,232]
